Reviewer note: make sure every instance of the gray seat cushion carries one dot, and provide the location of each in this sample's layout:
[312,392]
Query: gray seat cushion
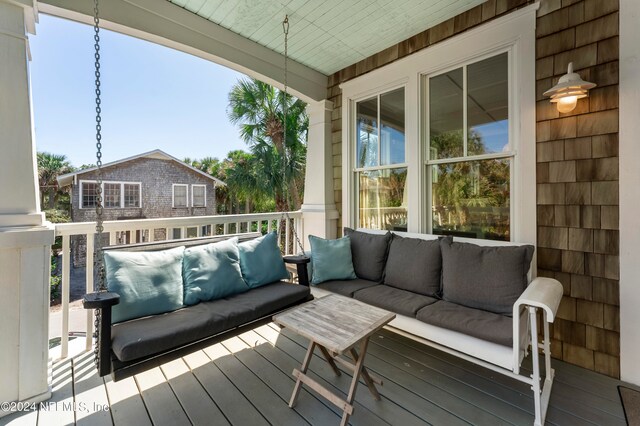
[394,300]
[487,278]
[155,334]
[473,322]
[415,265]
[368,253]
[346,287]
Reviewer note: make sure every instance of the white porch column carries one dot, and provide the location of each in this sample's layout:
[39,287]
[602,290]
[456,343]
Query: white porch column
[629,152]
[319,213]
[25,237]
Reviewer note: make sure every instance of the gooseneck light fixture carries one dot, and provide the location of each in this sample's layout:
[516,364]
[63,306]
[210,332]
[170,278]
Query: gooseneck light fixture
[569,89]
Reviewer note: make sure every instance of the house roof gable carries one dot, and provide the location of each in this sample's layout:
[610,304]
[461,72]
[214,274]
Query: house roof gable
[67,179]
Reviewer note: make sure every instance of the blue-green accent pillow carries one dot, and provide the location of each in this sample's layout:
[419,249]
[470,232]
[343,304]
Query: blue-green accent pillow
[212,271]
[148,282]
[261,262]
[331,259]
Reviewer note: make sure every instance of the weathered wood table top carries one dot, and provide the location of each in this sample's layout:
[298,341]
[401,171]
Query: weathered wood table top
[335,322]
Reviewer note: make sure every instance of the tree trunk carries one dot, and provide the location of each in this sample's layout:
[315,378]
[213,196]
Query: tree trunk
[52,199]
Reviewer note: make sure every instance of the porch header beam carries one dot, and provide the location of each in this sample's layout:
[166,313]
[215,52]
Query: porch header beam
[169,25]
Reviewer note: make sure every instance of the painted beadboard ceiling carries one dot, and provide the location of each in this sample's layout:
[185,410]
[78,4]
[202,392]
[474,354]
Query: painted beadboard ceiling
[328,35]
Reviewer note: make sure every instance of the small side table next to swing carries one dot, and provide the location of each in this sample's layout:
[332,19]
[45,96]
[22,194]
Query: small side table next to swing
[336,325]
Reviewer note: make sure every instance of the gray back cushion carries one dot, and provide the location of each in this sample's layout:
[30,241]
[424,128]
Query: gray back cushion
[487,278]
[415,265]
[369,253]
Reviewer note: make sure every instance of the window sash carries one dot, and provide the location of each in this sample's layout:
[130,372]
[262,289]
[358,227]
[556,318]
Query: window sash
[131,195]
[114,194]
[180,199]
[88,197]
[198,195]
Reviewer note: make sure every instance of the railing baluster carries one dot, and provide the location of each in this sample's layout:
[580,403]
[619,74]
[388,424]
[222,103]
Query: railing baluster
[64,338]
[152,234]
[225,229]
[89,288]
[237,227]
[269,226]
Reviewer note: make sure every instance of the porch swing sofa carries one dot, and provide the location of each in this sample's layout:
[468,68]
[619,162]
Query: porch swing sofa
[476,300]
[136,345]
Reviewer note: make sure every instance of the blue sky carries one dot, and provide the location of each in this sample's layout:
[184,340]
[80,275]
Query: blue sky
[152,97]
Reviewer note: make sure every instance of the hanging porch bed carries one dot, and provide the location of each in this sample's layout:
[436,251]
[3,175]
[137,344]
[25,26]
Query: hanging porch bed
[128,341]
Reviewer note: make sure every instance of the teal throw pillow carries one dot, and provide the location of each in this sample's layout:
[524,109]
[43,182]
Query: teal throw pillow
[148,282]
[331,259]
[261,262]
[212,271]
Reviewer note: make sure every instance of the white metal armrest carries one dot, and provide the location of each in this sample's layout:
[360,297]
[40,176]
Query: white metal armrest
[544,293]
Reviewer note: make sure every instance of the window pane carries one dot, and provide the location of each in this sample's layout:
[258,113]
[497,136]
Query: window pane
[89,194]
[471,199]
[367,133]
[383,199]
[198,196]
[392,122]
[131,195]
[112,195]
[445,115]
[180,196]
[488,106]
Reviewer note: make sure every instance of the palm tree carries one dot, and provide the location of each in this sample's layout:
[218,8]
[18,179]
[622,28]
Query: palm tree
[258,109]
[50,166]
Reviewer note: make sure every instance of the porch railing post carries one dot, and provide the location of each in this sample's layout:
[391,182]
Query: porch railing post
[65,288]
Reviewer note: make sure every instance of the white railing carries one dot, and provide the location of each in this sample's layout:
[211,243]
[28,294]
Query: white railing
[125,232]
[383,217]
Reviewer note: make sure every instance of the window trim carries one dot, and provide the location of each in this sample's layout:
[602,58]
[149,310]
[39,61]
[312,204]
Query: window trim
[199,185]
[509,155]
[173,196]
[116,182]
[515,32]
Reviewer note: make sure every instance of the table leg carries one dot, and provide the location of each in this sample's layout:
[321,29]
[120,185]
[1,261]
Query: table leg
[303,369]
[365,375]
[330,360]
[356,377]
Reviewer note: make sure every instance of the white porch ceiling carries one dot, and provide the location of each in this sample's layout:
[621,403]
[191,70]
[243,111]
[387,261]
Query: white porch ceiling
[328,35]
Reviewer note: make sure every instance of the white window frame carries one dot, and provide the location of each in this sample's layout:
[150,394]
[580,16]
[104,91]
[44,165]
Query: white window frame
[427,162]
[173,195]
[116,182]
[205,194]
[139,185]
[354,149]
[514,32]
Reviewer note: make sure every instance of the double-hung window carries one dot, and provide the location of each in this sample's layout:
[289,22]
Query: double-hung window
[180,198]
[199,195]
[131,194]
[469,154]
[380,164]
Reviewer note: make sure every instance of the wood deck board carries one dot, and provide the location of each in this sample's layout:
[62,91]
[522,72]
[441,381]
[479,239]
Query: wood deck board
[247,380]
[197,403]
[126,403]
[237,409]
[582,406]
[309,407]
[162,404]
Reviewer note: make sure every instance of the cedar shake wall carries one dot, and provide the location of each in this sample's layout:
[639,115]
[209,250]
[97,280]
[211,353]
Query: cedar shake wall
[577,164]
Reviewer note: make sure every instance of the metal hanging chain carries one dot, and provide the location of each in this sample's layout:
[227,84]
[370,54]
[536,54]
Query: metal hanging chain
[285,110]
[99,264]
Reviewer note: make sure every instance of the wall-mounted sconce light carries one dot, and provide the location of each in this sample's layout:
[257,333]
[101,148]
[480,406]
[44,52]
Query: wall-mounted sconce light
[569,89]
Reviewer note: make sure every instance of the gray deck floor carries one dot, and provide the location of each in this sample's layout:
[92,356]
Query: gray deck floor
[247,380]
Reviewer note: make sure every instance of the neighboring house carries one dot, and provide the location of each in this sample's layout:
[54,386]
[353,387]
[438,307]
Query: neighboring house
[150,185]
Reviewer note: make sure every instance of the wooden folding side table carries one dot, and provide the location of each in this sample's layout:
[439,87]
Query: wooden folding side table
[336,325]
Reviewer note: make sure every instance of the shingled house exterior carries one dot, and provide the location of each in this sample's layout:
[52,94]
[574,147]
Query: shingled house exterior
[146,186]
